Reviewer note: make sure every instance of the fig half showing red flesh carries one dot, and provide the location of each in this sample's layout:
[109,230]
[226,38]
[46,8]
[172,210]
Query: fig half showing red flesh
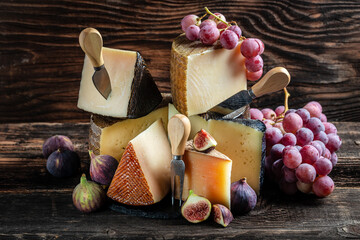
[196,208]
[204,142]
[222,215]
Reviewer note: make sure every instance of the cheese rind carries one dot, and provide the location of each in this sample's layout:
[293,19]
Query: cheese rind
[143,174]
[110,136]
[203,76]
[134,92]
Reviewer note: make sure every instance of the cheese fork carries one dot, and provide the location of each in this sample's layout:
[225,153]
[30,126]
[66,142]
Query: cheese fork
[179,130]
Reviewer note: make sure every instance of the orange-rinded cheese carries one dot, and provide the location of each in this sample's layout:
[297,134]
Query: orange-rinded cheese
[203,76]
[207,174]
[143,174]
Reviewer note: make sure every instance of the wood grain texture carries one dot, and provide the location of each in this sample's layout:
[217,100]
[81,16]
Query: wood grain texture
[35,205]
[41,60]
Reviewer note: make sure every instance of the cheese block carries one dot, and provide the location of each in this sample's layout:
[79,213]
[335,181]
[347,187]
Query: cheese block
[207,174]
[203,76]
[143,173]
[110,136]
[134,92]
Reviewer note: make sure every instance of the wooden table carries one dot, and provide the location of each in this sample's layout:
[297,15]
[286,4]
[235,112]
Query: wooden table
[35,205]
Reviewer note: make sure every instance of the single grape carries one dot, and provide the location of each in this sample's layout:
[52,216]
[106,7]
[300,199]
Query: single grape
[291,157]
[276,151]
[236,29]
[304,187]
[254,76]
[229,39]
[323,148]
[208,22]
[279,110]
[221,25]
[254,64]
[219,15]
[256,114]
[334,159]
[292,122]
[304,114]
[187,21]
[272,136]
[329,128]
[209,34]
[269,113]
[321,136]
[288,139]
[323,117]
[317,104]
[288,174]
[268,123]
[290,111]
[317,146]
[334,142]
[280,126]
[261,44]
[288,188]
[323,186]
[326,154]
[306,173]
[192,33]
[314,109]
[304,136]
[250,48]
[323,166]
[276,169]
[315,125]
[309,154]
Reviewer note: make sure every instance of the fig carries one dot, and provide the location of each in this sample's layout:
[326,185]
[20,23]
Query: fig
[63,163]
[56,142]
[102,168]
[204,142]
[88,196]
[222,215]
[196,208]
[243,197]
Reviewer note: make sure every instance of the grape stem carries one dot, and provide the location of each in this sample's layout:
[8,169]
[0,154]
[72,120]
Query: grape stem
[208,11]
[286,104]
[199,19]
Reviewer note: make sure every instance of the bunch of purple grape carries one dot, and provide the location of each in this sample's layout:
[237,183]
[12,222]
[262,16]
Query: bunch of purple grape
[301,148]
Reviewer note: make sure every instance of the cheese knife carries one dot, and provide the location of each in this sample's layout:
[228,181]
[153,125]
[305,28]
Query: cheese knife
[91,43]
[179,130]
[274,80]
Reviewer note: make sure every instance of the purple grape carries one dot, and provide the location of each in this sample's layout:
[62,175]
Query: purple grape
[209,34]
[317,146]
[221,25]
[192,32]
[288,174]
[279,110]
[269,113]
[250,48]
[290,111]
[334,159]
[187,21]
[208,22]
[321,136]
[292,122]
[323,166]
[276,169]
[254,76]
[291,157]
[323,118]
[326,154]
[288,139]
[304,187]
[268,123]
[314,109]
[236,29]
[304,114]
[306,173]
[254,64]
[334,142]
[329,128]
[309,154]
[219,15]
[229,39]
[272,136]
[261,44]
[315,125]
[304,136]
[256,114]
[323,148]
[323,186]
[276,151]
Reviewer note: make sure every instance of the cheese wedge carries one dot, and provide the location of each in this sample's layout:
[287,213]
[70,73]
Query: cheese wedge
[203,76]
[143,174]
[134,93]
[207,174]
[110,136]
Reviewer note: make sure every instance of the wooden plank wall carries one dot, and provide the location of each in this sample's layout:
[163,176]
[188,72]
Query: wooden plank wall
[41,61]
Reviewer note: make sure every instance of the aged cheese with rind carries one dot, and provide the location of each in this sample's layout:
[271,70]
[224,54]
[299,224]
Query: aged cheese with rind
[134,92]
[207,174]
[203,76]
[110,136]
[143,173]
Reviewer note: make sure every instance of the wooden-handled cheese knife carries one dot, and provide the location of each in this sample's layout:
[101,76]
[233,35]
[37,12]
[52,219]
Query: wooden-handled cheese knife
[274,80]
[179,130]
[91,43]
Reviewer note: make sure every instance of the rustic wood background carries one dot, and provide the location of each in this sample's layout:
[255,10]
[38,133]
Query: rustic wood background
[41,61]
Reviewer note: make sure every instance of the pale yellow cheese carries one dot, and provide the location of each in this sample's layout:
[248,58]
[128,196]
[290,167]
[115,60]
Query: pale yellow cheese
[113,138]
[143,174]
[208,175]
[204,76]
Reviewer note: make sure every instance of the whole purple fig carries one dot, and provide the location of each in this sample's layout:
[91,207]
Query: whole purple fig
[88,196]
[102,168]
[63,163]
[56,142]
[243,197]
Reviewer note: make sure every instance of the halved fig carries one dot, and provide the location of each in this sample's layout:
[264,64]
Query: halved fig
[196,208]
[204,142]
[222,215]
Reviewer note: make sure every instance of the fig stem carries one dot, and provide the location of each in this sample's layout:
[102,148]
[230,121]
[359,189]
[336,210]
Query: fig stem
[83,180]
[208,11]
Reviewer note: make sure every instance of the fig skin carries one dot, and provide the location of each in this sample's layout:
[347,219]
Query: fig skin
[63,163]
[196,208]
[222,215]
[102,168]
[243,197]
[56,142]
[204,142]
[88,196]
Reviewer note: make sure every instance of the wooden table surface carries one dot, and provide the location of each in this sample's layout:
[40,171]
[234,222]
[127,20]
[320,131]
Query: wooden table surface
[35,205]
